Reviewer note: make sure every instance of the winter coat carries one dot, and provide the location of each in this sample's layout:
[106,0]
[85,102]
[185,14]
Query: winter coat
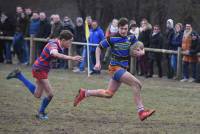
[34,27]
[79,34]
[45,29]
[195,48]
[176,40]
[156,41]
[7,27]
[144,37]
[68,25]
[96,36]
[187,46]
[20,23]
[168,38]
[56,29]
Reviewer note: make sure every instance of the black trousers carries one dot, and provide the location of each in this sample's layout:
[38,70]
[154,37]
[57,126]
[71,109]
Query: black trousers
[159,66]
[198,71]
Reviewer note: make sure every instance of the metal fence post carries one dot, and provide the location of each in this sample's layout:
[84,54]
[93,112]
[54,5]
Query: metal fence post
[179,64]
[32,50]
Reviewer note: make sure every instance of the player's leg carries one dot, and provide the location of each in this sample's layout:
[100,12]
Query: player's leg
[104,93]
[39,89]
[46,100]
[135,84]
[19,75]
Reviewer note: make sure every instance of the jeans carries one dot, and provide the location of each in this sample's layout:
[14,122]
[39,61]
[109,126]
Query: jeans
[18,43]
[173,62]
[84,61]
[8,55]
[170,71]
[26,52]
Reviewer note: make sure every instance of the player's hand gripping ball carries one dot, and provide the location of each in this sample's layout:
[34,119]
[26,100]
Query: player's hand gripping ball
[137,49]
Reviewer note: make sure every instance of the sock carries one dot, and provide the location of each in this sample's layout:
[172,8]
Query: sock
[44,104]
[27,83]
[139,109]
[99,93]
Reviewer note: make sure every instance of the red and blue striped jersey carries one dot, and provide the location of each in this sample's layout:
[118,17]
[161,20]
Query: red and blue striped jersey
[44,60]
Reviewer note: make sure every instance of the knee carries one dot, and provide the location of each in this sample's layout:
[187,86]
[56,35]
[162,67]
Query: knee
[137,86]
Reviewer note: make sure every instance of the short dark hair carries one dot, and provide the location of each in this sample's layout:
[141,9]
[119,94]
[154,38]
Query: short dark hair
[157,26]
[122,22]
[65,34]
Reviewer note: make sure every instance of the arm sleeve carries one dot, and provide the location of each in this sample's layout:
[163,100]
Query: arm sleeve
[102,36]
[105,43]
[133,39]
[52,48]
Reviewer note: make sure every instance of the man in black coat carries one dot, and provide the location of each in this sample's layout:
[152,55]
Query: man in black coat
[6,29]
[156,41]
[44,31]
[144,37]
[168,39]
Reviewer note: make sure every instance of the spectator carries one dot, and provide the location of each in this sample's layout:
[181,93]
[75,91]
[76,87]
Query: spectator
[89,20]
[6,29]
[190,41]
[134,30]
[96,35]
[110,31]
[112,28]
[52,19]
[84,52]
[68,24]
[144,36]
[34,27]
[26,45]
[28,15]
[34,24]
[57,26]
[168,38]
[176,42]
[44,31]
[20,29]
[156,41]
[196,49]
[80,37]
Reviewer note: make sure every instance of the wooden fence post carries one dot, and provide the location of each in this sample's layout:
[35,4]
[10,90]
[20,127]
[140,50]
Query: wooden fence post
[179,64]
[32,50]
[133,65]
[70,52]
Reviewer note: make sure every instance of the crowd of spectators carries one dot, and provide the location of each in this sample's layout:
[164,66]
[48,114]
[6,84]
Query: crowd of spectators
[28,23]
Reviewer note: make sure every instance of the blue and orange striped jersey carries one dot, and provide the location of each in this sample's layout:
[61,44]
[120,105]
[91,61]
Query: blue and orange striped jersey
[119,49]
[43,61]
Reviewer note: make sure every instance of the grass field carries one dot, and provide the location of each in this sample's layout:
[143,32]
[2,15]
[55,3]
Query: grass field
[177,105]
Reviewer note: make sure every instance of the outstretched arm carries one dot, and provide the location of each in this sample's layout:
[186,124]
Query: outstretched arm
[65,57]
[98,62]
